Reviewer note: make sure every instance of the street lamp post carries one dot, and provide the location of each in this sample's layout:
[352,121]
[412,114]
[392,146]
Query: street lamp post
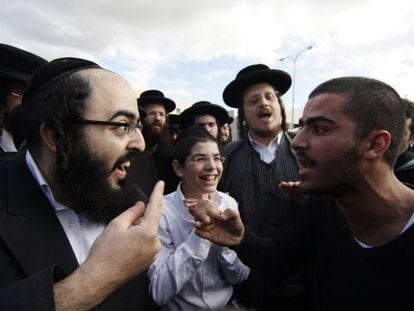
[294,59]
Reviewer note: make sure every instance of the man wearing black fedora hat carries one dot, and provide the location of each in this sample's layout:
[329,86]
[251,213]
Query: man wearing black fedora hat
[16,68]
[255,165]
[155,133]
[204,114]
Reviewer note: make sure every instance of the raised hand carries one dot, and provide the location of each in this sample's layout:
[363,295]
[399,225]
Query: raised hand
[127,246]
[223,228]
[201,209]
[291,190]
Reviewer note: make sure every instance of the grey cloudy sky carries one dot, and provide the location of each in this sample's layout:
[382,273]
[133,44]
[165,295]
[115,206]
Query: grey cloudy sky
[192,49]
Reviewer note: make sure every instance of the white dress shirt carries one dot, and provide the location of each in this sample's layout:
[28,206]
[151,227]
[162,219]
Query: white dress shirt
[191,273]
[267,153]
[80,230]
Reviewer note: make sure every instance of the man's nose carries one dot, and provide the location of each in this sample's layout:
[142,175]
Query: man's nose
[263,101]
[299,141]
[136,141]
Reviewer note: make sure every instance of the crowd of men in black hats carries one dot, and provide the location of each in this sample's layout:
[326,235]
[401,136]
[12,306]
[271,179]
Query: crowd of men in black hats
[325,213]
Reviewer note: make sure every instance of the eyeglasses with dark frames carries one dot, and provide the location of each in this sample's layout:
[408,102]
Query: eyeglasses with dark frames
[201,159]
[128,127]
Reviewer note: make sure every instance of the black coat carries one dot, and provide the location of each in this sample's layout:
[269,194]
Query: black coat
[35,252]
[163,157]
[143,172]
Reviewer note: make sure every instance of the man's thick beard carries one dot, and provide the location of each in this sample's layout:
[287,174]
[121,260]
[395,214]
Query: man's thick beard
[85,185]
[152,138]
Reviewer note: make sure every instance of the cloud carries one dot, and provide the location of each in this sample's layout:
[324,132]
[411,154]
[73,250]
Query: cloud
[212,75]
[149,42]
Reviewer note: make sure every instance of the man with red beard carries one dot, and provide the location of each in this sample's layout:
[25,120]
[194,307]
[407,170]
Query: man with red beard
[156,137]
[73,232]
[355,232]
[254,166]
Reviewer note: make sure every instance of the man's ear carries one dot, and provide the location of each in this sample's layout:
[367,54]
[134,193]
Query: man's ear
[177,168]
[376,144]
[48,137]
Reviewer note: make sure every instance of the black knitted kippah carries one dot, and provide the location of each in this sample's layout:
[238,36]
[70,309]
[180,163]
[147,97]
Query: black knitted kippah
[53,71]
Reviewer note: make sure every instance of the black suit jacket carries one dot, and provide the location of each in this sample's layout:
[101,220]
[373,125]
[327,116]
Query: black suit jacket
[143,172]
[35,252]
[163,157]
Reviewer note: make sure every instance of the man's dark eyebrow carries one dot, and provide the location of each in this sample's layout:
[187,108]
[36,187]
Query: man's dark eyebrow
[123,113]
[313,120]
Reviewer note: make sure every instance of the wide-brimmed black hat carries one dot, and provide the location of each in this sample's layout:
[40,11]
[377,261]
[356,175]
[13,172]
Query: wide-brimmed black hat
[156,97]
[255,74]
[202,108]
[17,64]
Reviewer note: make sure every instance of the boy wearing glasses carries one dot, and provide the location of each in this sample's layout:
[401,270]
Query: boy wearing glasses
[191,273]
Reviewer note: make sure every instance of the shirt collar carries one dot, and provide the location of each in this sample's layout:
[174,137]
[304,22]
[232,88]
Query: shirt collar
[41,181]
[34,169]
[272,144]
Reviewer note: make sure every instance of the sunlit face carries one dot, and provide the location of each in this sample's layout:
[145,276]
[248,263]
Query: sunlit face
[201,171]
[207,122]
[326,147]
[156,118]
[113,100]
[262,110]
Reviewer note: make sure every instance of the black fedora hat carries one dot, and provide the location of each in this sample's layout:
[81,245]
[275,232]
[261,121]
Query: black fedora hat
[254,74]
[155,97]
[17,64]
[202,108]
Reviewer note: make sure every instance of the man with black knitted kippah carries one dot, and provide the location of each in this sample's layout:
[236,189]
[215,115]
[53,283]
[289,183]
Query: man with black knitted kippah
[80,237]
